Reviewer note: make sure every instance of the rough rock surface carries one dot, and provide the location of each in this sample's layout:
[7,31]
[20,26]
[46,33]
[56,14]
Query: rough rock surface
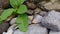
[52,21]
[51,32]
[36,29]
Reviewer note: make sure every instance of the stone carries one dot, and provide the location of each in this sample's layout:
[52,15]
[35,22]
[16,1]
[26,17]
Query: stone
[52,5]
[31,5]
[43,13]
[30,19]
[37,19]
[18,32]
[37,10]
[3,27]
[36,29]
[51,21]
[30,12]
[11,29]
[13,21]
[8,32]
[51,32]
[4,3]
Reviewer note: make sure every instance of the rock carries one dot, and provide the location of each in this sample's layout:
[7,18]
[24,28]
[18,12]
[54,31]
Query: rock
[51,32]
[52,5]
[37,10]
[30,19]
[11,29]
[30,12]
[13,21]
[18,32]
[43,13]
[4,3]
[31,5]
[3,27]
[37,19]
[51,21]
[8,32]
[36,29]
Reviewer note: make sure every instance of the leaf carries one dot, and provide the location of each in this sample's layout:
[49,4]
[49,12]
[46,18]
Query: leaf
[6,13]
[22,9]
[21,1]
[16,3]
[22,22]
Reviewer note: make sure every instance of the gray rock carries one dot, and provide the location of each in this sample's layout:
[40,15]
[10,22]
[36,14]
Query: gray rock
[18,32]
[37,19]
[52,21]
[36,29]
[13,21]
[3,27]
[43,13]
[51,32]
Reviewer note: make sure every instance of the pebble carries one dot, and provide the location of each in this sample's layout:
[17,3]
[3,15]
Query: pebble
[37,19]
[4,3]
[52,5]
[18,32]
[51,32]
[37,10]
[11,29]
[3,27]
[52,21]
[43,13]
[31,5]
[30,12]
[13,21]
[36,29]
[30,19]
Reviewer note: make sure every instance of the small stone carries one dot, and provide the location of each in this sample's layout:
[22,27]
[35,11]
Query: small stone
[18,32]
[13,21]
[30,19]
[52,5]
[8,32]
[37,10]
[3,27]
[43,13]
[37,19]
[52,21]
[30,12]
[36,29]
[4,3]
[31,5]
[51,32]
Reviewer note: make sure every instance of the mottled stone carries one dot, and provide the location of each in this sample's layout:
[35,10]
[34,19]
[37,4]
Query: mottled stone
[37,19]
[36,29]
[51,32]
[52,21]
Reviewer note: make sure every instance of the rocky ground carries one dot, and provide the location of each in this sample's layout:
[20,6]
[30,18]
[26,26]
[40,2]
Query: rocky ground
[44,17]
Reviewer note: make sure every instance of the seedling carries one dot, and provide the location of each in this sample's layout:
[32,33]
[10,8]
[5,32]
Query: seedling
[20,9]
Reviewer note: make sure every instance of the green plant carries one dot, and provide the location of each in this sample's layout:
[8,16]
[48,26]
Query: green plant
[20,9]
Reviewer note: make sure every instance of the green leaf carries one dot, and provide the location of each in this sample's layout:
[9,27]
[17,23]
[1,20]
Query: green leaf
[16,3]
[22,22]
[22,9]
[21,1]
[6,13]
